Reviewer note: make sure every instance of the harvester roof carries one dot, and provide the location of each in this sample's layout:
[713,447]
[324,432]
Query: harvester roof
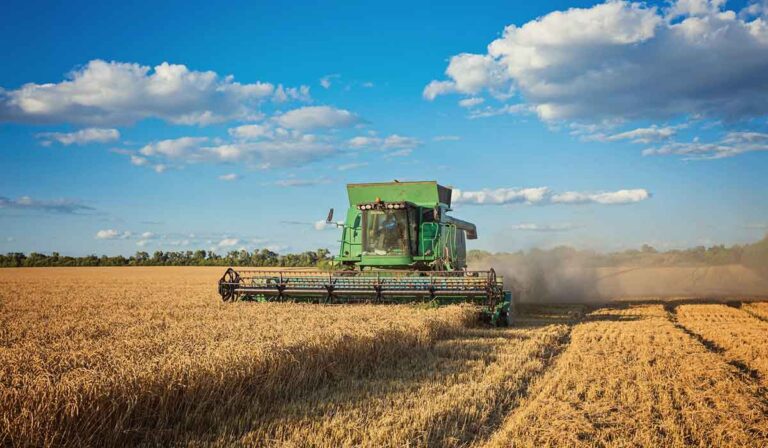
[424,193]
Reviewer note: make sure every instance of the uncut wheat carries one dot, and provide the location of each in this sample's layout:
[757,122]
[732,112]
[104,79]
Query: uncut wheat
[102,356]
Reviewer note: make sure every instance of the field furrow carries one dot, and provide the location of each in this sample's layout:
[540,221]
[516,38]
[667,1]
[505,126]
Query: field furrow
[629,377]
[739,335]
[757,309]
[451,395]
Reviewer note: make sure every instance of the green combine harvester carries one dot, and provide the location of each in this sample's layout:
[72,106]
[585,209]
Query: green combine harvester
[398,245]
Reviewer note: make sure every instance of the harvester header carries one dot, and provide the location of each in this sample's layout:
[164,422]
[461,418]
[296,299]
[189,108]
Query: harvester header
[398,244]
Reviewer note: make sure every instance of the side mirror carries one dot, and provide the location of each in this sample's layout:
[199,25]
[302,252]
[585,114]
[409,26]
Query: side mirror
[329,219]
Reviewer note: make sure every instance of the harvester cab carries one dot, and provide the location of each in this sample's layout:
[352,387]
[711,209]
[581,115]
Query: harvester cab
[398,245]
[403,225]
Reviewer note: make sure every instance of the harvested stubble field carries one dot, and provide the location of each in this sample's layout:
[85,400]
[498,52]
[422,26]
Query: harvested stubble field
[116,356]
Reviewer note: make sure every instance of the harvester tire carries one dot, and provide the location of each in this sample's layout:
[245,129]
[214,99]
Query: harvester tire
[509,319]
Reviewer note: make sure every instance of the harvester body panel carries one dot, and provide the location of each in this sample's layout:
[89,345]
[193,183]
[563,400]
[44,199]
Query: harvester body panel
[423,194]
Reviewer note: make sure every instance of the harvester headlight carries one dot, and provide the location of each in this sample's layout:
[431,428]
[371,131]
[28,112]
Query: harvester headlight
[390,205]
[368,207]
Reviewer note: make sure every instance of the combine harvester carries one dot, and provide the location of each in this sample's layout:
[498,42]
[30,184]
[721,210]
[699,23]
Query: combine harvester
[398,245]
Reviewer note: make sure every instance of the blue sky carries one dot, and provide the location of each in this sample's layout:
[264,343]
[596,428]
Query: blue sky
[174,126]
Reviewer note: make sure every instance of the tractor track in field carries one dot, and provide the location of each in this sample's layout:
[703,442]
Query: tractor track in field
[753,314]
[748,374]
[449,413]
[550,356]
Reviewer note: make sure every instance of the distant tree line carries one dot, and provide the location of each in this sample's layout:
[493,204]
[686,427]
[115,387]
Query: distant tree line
[263,257]
[754,256]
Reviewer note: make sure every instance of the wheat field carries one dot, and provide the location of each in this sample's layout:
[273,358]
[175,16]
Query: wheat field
[759,310]
[630,377]
[151,356]
[737,334]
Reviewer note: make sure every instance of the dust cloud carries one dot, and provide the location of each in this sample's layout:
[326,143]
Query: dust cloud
[546,276]
[567,275]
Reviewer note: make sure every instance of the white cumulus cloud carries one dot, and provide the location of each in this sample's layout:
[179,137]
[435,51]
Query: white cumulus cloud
[174,148]
[286,149]
[138,160]
[280,147]
[283,94]
[393,141]
[610,198]
[229,177]
[507,109]
[112,234]
[500,196]
[469,73]
[471,102]
[81,137]
[626,60]
[251,131]
[650,134]
[104,92]
[732,144]
[315,117]
[327,80]
[362,141]
[544,195]
[436,88]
